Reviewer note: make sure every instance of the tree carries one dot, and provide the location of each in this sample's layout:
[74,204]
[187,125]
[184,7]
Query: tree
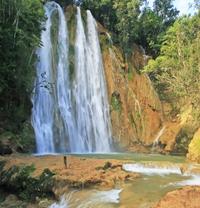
[103,11]
[197,5]
[150,31]
[177,70]
[154,24]
[20,28]
[127,27]
[120,17]
[166,11]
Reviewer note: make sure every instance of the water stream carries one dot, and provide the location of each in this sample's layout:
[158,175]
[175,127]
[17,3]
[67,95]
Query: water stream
[158,136]
[159,175]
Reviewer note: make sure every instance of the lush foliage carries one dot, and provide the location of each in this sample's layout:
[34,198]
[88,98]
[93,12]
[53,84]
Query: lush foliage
[154,23]
[176,71]
[134,21]
[20,28]
[18,180]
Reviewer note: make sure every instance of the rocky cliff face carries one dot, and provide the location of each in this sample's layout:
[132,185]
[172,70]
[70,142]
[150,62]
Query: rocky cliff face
[136,111]
[140,122]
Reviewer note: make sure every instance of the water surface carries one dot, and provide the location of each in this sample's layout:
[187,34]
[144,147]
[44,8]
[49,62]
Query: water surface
[159,175]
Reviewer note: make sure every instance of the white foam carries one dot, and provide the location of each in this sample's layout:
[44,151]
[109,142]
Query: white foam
[193,181]
[94,199]
[151,170]
[62,204]
[111,196]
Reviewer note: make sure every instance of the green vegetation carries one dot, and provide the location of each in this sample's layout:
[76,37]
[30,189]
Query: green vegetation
[107,165]
[23,142]
[133,21]
[176,71]
[116,102]
[20,28]
[18,180]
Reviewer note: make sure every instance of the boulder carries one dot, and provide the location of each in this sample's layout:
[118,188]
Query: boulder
[194,148]
[187,197]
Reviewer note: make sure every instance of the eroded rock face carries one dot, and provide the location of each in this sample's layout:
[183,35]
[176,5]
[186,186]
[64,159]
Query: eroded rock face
[140,122]
[187,197]
[136,111]
[194,148]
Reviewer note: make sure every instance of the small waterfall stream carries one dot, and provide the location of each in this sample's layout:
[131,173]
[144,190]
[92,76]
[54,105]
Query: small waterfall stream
[70,115]
[158,136]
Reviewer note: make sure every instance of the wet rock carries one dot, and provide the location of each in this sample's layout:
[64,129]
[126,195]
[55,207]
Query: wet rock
[187,197]
[5,147]
[136,111]
[43,203]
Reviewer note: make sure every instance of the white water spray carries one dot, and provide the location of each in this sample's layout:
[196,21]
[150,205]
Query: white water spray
[70,115]
[92,108]
[43,102]
[156,140]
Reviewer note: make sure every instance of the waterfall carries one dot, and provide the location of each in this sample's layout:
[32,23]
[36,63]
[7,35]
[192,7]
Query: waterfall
[156,140]
[43,102]
[92,108]
[64,92]
[70,115]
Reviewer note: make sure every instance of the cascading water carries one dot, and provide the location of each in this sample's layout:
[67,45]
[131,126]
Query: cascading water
[70,115]
[64,92]
[43,102]
[156,140]
[92,109]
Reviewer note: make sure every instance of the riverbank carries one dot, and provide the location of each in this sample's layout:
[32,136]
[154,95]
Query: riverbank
[79,172]
[187,197]
[95,174]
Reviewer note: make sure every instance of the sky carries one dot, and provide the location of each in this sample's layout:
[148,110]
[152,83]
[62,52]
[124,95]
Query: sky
[181,5]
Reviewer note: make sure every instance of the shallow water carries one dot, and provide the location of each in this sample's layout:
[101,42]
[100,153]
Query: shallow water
[159,175]
[138,157]
[148,190]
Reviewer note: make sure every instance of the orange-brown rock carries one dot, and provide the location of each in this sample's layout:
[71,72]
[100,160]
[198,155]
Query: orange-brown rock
[138,117]
[168,139]
[80,172]
[187,197]
[194,148]
[174,127]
